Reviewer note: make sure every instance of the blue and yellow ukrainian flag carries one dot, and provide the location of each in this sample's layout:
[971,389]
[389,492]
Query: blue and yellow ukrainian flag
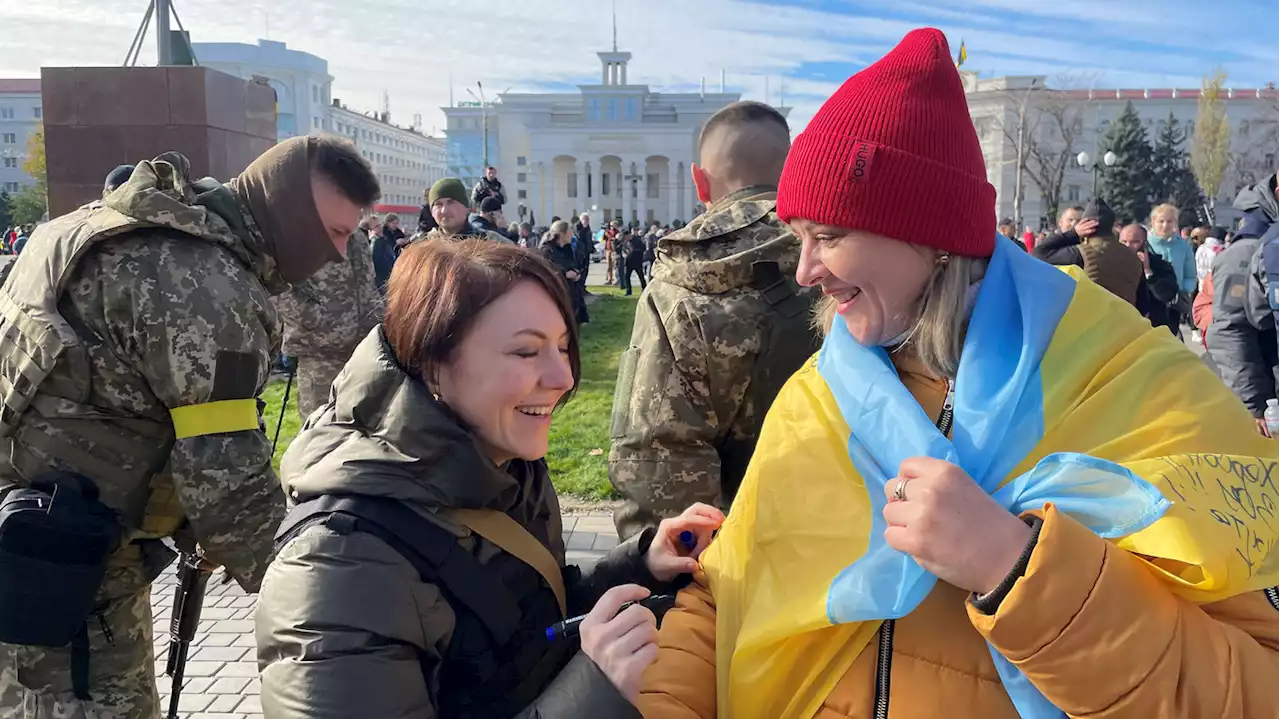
[1064,394]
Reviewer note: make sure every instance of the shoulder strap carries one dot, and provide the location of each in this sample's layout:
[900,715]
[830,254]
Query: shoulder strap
[515,540]
[431,549]
[768,280]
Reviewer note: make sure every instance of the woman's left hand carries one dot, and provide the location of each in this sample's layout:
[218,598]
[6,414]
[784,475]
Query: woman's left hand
[667,558]
[951,526]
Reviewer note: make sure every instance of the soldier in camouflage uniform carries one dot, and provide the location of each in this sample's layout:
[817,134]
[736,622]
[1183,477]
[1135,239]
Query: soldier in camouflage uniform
[326,316]
[135,336]
[718,331]
[448,202]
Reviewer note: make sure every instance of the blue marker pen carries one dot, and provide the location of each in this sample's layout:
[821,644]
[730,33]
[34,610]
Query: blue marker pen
[569,627]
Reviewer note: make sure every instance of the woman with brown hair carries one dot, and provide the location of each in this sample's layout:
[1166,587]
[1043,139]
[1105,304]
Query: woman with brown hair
[443,412]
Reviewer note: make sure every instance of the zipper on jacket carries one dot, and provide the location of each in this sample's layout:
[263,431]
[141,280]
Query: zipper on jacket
[884,662]
[884,656]
[948,409]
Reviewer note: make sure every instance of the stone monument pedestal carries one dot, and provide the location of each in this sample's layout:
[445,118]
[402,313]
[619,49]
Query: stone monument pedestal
[96,118]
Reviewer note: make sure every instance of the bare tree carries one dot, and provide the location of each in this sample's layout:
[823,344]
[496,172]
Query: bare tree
[1210,152]
[1051,132]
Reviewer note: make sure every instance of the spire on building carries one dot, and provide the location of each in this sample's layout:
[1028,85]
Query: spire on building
[615,25]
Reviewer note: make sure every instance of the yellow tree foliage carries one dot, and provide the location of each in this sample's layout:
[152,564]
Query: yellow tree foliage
[1210,150]
[35,164]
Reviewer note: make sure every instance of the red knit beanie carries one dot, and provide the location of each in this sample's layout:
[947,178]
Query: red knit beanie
[893,152]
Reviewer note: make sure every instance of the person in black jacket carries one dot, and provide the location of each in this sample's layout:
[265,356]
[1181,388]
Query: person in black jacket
[634,247]
[583,246]
[488,186]
[1160,284]
[558,248]
[384,251]
[442,415]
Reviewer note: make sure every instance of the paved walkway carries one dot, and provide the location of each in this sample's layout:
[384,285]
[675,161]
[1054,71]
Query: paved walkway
[221,679]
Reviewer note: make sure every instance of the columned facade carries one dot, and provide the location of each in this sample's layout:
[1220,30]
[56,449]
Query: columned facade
[617,151]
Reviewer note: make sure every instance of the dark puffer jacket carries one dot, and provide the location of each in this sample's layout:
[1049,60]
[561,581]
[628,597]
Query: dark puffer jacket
[345,626]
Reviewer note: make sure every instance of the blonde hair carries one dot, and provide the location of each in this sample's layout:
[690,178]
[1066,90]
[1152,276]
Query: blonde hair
[937,337]
[558,227]
[1162,209]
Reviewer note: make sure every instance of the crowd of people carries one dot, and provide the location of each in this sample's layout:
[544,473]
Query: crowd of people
[876,457]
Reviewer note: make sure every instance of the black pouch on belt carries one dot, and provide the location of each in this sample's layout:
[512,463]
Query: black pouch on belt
[55,540]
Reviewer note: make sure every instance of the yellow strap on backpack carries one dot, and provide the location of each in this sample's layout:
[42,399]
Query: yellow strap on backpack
[228,415]
[516,541]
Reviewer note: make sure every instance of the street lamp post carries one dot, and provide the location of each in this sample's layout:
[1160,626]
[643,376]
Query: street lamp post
[1084,160]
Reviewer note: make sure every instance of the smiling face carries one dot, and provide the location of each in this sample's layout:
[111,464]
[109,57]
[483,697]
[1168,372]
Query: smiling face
[876,281]
[509,372]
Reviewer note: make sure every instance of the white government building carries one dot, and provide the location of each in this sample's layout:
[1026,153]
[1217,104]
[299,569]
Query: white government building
[618,150]
[995,103]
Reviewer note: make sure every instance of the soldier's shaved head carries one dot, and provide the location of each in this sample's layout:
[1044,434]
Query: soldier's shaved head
[744,144]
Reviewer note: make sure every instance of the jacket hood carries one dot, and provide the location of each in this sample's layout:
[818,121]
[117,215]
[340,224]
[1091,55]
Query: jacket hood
[1259,196]
[712,254]
[385,435]
[160,193]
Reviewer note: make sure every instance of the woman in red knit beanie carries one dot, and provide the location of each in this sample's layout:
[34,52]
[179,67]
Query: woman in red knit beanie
[957,507]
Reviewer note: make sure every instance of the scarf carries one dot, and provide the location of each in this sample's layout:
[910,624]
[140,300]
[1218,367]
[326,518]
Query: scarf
[1051,362]
[276,188]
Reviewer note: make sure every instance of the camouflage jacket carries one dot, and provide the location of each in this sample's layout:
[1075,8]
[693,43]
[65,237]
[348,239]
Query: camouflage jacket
[168,307]
[468,233]
[328,314]
[697,379]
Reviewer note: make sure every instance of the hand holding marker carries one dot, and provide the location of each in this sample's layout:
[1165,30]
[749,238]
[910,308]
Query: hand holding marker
[569,627]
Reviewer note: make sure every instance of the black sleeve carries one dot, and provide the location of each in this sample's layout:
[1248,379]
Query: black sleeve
[623,565]
[1163,284]
[1052,245]
[580,690]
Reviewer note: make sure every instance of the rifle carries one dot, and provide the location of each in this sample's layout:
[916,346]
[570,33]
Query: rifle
[293,369]
[188,599]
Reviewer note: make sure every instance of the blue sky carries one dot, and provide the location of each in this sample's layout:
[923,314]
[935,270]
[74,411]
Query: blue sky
[412,48]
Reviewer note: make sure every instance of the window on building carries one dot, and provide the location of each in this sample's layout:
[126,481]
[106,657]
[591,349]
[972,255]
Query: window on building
[593,110]
[611,113]
[572,179]
[633,109]
[315,94]
[10,162]
[604,184]
[522,160]
[522,195]
[522,177]
[37,112]
[10,187]
[590,177]
[6,113]
[651,183]
[10,138]
[1073,193]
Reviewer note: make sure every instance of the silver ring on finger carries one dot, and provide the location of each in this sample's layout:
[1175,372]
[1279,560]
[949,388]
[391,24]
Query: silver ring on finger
[900,491]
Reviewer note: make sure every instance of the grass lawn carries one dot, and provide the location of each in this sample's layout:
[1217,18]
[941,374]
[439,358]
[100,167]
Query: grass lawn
[579,428]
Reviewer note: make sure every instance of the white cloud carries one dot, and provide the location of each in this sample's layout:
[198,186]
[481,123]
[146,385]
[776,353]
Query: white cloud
[411,48]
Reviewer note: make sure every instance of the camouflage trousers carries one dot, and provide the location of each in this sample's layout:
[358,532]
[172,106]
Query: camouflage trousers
[315,376]
[35,682]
